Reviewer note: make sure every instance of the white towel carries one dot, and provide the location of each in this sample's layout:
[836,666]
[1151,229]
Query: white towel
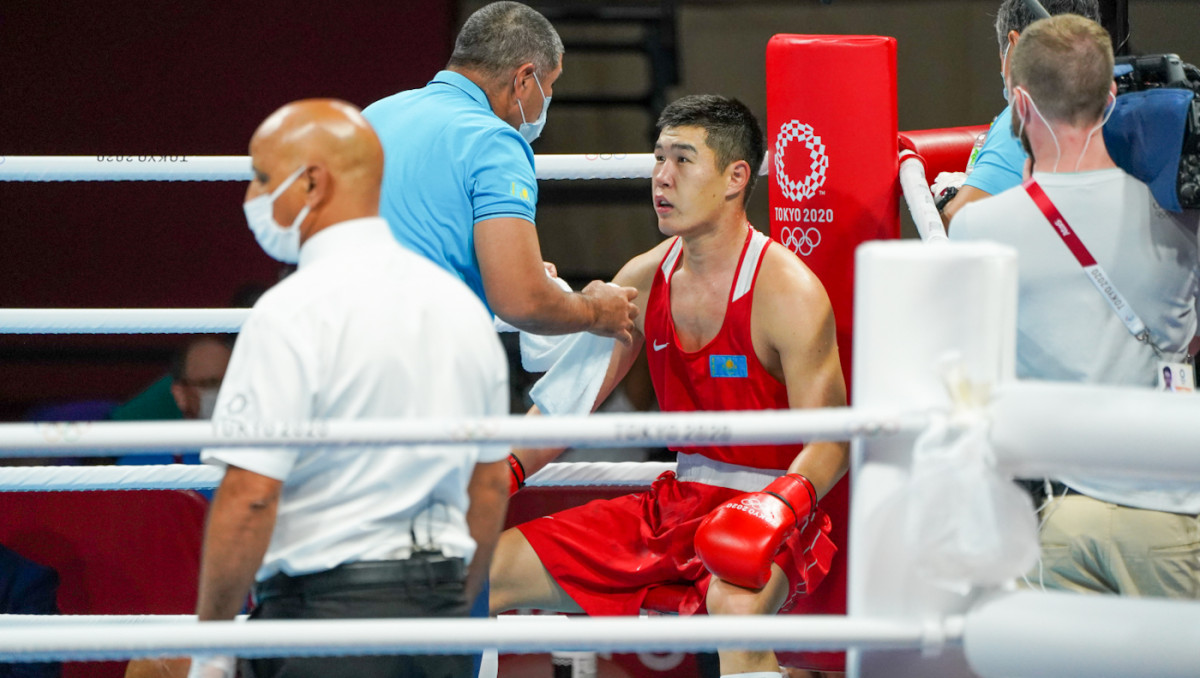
[571,384]
[574,364]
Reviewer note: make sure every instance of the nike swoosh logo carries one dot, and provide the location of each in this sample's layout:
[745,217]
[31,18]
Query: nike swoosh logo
[659,347]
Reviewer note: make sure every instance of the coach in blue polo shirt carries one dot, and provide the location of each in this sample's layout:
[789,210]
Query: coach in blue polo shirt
[1001,159]
[458,180]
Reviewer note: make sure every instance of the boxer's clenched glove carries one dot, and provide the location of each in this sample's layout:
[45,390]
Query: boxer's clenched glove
[739,539]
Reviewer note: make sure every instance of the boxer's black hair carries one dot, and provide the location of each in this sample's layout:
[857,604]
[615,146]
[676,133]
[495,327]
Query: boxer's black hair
[732,130]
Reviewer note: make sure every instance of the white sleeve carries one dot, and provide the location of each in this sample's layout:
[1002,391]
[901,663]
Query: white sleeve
[270,381]
[497,398]
[957,228]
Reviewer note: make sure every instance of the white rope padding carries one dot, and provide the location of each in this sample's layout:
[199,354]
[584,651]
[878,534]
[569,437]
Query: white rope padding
[237,167]
[121,320]
[203,477]
[920,201]
[314,638]
[81,619]
[773,427]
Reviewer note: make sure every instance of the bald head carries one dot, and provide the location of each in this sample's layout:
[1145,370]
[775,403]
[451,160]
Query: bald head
[340,155]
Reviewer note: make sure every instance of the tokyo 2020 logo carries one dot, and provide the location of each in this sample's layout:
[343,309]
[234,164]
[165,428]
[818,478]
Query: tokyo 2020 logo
[806,187]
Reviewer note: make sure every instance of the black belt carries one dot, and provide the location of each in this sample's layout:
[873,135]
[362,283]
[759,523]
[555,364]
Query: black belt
[423,569]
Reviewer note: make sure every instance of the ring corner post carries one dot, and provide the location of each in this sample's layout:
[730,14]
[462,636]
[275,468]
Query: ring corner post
[916,307]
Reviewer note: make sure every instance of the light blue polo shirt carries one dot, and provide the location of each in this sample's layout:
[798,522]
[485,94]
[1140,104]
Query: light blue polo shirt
[449,163]
[1001,160]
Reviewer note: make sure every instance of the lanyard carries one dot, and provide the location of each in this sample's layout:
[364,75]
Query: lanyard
[1091,267]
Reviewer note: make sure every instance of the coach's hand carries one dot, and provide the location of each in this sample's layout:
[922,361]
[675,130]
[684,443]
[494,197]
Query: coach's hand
[946,186]
[739,539]
[613,310]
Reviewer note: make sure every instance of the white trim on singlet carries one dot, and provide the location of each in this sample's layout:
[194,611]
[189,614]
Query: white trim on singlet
[754,252]
[669,261]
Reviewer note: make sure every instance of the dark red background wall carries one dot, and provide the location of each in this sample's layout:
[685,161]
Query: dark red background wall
[134,78]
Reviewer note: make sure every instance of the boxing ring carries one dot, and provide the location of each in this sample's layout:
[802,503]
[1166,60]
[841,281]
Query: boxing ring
[933,350]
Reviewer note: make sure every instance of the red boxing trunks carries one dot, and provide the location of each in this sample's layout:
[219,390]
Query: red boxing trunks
[608,554]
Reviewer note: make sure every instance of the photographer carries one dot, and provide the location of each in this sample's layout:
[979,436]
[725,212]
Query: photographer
[1102,534]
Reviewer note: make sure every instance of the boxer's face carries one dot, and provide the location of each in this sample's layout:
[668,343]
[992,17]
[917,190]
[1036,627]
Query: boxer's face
[689,190]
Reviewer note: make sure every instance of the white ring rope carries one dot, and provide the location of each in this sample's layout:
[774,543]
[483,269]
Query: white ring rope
[310,638]
[100,438]
[920,201]
[237,167]
[121,320]
[202,477]
[79,619]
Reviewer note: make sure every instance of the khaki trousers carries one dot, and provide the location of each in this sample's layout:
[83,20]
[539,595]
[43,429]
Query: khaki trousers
[1092,546]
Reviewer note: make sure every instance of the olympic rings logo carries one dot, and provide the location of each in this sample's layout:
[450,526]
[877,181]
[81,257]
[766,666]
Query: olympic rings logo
[606,156]
[752,502]
[806,188]
[800,240]
[63,431]
[475,431]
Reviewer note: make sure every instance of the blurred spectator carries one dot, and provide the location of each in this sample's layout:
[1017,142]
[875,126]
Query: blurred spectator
[195,376]
[160,400]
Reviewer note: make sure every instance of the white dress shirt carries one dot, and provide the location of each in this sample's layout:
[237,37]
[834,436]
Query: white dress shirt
[364,329]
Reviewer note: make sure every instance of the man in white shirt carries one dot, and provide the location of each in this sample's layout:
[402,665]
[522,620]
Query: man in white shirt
[364,329]
[1108,534]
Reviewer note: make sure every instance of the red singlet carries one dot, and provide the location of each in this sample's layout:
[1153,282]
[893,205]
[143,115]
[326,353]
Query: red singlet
[724,375]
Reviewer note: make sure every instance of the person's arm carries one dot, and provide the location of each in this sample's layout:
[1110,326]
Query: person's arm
[966,195]
[488,493]
[638,274]
[997,167]
[808,358]
[520,293]
[239,529]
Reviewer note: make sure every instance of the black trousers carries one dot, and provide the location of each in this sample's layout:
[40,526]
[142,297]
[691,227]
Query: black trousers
[427,585]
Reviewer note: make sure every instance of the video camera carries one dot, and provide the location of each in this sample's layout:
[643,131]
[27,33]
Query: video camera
[1168,71]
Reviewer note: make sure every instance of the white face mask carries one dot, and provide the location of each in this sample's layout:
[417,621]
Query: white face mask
[532,130]
[208,403]
[1003,78]
[1053,136]
[280,243]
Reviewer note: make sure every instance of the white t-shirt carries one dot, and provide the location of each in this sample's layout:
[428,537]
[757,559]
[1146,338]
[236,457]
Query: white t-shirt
[1065,329]
[364,329]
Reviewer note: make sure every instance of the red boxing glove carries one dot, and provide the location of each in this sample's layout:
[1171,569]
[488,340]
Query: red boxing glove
[516,478]
[738,540]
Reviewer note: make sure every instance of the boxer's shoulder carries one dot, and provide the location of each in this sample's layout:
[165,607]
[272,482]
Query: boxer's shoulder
[783,275]
[639,271]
